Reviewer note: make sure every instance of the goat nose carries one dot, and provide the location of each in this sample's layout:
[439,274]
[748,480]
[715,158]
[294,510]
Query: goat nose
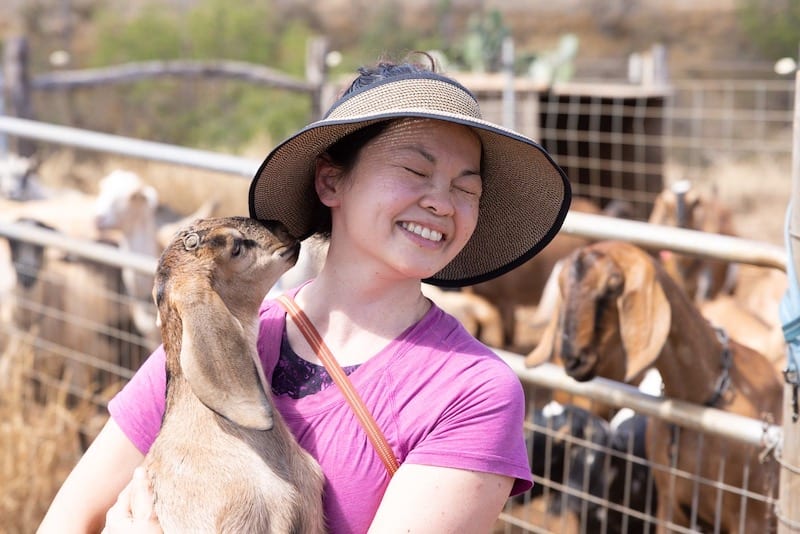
[571,362]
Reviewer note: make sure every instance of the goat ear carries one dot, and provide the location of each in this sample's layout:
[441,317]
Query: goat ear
[644,316]
[220,366]
[550,303]
[544,350]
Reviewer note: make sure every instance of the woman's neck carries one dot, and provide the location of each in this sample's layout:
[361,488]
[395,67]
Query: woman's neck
[357,321]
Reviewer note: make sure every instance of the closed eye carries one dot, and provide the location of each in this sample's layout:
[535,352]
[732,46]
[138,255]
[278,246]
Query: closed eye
[415,172]
[471,185]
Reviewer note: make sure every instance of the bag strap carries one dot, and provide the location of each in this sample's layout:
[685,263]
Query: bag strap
[374,433]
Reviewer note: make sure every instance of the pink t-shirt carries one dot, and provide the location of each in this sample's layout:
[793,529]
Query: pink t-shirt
[441,398]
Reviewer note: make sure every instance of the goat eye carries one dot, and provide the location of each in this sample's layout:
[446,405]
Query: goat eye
[236,249]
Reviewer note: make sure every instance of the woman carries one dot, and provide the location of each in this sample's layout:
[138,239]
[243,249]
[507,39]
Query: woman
[411,185]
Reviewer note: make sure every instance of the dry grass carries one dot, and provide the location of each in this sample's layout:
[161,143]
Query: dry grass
[181,188]
[39,442]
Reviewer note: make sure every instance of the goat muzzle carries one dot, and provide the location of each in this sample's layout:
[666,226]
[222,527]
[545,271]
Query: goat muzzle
[580,365]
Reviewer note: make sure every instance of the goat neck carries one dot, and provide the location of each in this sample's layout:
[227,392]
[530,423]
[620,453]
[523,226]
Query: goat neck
[694,350]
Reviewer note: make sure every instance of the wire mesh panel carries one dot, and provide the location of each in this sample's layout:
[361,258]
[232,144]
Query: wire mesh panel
[74,316]
[709,120]
[611,147]
[594,474]
[624,142]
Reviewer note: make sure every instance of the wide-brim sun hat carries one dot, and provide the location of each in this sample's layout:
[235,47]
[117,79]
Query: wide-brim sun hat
[525,196]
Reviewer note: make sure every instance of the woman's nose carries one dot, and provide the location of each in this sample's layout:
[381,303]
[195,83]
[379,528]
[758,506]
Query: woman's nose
[438,199]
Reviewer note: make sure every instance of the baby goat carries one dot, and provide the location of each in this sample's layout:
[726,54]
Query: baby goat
[223,461]
[620,314]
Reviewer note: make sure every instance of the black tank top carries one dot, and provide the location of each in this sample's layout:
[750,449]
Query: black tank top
[296,377]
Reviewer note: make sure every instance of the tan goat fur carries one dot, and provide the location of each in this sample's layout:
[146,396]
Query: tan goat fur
[70,306]
[223,461]
[478,316]
[747,327]
[620,314]
[701,278]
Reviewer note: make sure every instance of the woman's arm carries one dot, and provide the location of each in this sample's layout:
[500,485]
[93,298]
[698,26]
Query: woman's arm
[425,499]
[94,484]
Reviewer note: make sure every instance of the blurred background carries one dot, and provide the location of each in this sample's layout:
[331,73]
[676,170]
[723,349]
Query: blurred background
[634,98]
[696,81]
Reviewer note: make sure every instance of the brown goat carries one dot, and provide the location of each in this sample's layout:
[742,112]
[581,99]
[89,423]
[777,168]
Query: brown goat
[684,207]
[478,316]
[621,314]
[747,328]
[223,461]
[524,285]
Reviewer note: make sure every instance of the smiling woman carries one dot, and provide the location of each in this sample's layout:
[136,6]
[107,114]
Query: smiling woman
[417,180]
[410,184]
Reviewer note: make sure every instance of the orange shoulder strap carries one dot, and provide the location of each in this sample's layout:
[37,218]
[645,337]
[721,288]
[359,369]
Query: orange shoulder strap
[374,433]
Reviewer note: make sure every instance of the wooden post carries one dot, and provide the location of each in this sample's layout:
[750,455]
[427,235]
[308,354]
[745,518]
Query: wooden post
[789,499]
[17,89]
[316,74]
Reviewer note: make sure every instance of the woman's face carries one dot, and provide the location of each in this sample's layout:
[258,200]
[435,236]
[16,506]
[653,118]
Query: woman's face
[410,202]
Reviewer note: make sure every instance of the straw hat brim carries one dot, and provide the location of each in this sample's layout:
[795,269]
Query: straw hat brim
[525,194]
[525,197]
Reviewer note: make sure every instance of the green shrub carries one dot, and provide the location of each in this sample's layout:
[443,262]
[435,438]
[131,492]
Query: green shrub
[211,113]
[773,26]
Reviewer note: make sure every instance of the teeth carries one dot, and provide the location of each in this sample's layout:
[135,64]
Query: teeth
[427,233]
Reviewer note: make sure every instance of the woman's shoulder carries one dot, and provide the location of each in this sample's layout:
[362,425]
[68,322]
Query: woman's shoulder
[451,336]
[441,347]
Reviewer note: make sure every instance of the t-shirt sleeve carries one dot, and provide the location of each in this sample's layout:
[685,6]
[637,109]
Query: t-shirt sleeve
[139,407]
[482,429]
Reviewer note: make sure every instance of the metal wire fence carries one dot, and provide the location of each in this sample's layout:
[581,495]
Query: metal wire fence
[617,141]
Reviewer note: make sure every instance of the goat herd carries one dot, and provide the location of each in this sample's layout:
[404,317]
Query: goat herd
[702,331]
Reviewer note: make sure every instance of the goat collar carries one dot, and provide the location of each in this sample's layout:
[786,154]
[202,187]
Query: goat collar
[724,378]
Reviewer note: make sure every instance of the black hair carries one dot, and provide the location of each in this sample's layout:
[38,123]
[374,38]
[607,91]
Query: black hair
[386,69]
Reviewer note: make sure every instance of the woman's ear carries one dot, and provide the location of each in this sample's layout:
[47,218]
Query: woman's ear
[327,180]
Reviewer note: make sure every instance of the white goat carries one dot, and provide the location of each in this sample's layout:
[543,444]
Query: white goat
[313,251]
[72,304]
[223,460]
[127,205]
[18,180]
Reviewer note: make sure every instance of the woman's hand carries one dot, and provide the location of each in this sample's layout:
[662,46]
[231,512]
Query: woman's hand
[133,512]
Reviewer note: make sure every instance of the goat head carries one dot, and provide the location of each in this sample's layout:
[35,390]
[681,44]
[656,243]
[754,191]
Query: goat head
[212,278]
[613,317]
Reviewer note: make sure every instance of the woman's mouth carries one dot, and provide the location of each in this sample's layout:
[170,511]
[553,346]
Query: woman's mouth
[422,231]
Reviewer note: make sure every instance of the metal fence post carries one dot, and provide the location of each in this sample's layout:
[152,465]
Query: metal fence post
[789,499]
[16,87]
[3,136]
